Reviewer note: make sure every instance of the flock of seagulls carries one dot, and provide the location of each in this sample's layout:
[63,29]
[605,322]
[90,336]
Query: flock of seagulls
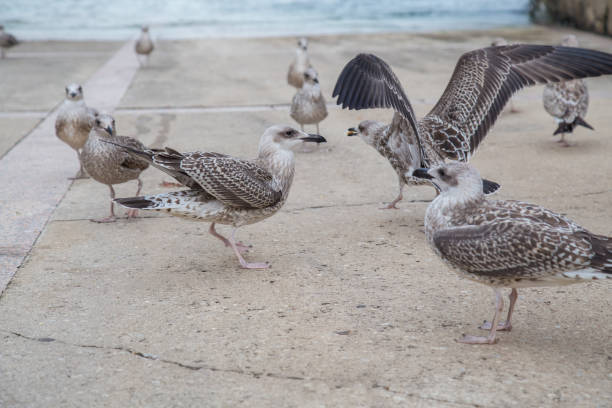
[502,244]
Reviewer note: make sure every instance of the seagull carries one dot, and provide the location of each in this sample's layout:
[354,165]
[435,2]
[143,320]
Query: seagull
[144,44]
[567,101]
[109,164]
[6,41]
[224,189]
[482,83]
[308,104]
[506,243]
[295,76]
[74,122]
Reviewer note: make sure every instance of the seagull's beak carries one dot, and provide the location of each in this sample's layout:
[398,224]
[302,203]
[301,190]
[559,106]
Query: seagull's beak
[313,138]
[422,173]
[109,130]
[316,80]
[351,132]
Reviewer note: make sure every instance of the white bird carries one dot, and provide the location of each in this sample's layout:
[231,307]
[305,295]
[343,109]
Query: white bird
[308,104]
[144,45]
[224,189]
[507,243]
[74,122]
[295,76]
[6,41]
[567,101]
[482,83]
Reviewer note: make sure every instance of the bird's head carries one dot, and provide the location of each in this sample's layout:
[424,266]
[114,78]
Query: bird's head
[311,76]
[453,178]
[1,28]
[74,92]
[569,40]
[303,43]
[145,28]
[105,123]
[283,137]
[367,131]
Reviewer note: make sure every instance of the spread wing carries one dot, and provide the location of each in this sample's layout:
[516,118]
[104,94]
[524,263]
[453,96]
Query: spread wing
[514,248]
[485,79]
[368,82]
[233,181]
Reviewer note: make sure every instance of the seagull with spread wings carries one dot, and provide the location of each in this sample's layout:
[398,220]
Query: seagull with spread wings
[224,189]
[482,83]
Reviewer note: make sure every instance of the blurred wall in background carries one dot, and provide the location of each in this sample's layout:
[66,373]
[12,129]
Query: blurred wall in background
[592,15]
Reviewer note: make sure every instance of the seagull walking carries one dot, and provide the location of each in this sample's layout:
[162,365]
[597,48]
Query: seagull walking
[224,189]
[74,122]
[482,83]
[144,45]
[567,101]
[507,243]
[295,75]
[6,41]
[110,164]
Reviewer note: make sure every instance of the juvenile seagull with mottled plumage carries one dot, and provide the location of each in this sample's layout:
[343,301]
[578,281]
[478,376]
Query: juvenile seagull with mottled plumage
[567,101]
[480,86]
[7,41]
[109,164]
[224,189]
[507,243]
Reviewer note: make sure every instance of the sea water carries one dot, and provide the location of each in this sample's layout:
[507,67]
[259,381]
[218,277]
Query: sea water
[120,19]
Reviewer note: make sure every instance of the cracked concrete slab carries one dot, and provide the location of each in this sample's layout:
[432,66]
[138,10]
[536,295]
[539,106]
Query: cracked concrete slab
[355,311]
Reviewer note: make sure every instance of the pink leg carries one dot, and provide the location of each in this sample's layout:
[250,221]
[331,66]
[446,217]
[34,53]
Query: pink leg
[243,248]
[507,325]
[490,339]
[81,174]
[111,217]
[243,263]
[134,212]
[399,198]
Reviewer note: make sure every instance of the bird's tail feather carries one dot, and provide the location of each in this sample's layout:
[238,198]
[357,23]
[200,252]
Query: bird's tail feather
[582,122]
[490,187]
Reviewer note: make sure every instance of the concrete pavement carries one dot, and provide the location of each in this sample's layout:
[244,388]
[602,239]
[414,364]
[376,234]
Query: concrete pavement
[356,310]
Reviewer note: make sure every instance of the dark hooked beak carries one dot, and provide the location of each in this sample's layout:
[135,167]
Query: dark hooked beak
[422,173]
[316,80]
[72,94]
[313,138]
[109,130]
[351,132]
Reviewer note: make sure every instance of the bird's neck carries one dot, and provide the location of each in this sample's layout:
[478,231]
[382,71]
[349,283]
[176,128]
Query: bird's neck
[445,207]
[312,89]
[281,165]
[70,102]
[301,57]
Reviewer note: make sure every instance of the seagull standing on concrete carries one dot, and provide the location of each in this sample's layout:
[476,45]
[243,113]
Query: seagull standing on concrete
[295,76]
[6,41]
[110,164]
[482,83]
[308,104]
[224,189]
[507,243]
[74,122]
[144,45]
[567,101]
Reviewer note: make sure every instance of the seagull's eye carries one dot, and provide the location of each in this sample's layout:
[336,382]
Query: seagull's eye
[289,133]
[360,127]
[442,172]
[66,90]
[80,89]
[98,122]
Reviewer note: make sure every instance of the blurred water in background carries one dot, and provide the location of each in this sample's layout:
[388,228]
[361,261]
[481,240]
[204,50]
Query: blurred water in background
[120,19]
